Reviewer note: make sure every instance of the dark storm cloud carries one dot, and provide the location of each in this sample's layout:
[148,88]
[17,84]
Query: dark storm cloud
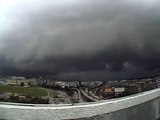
[80,39]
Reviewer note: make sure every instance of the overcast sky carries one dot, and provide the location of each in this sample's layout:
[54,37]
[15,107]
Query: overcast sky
[80,39]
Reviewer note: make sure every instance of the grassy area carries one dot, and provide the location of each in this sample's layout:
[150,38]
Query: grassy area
[32,91]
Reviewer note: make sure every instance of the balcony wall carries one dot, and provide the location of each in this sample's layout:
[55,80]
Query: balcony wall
[143,106]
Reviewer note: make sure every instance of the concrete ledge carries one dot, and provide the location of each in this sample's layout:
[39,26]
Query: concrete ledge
[13,111]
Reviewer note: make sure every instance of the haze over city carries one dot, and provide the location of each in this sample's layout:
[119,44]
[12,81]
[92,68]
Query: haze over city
[74,39]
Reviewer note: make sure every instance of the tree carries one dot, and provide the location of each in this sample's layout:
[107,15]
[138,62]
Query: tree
[22,83]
